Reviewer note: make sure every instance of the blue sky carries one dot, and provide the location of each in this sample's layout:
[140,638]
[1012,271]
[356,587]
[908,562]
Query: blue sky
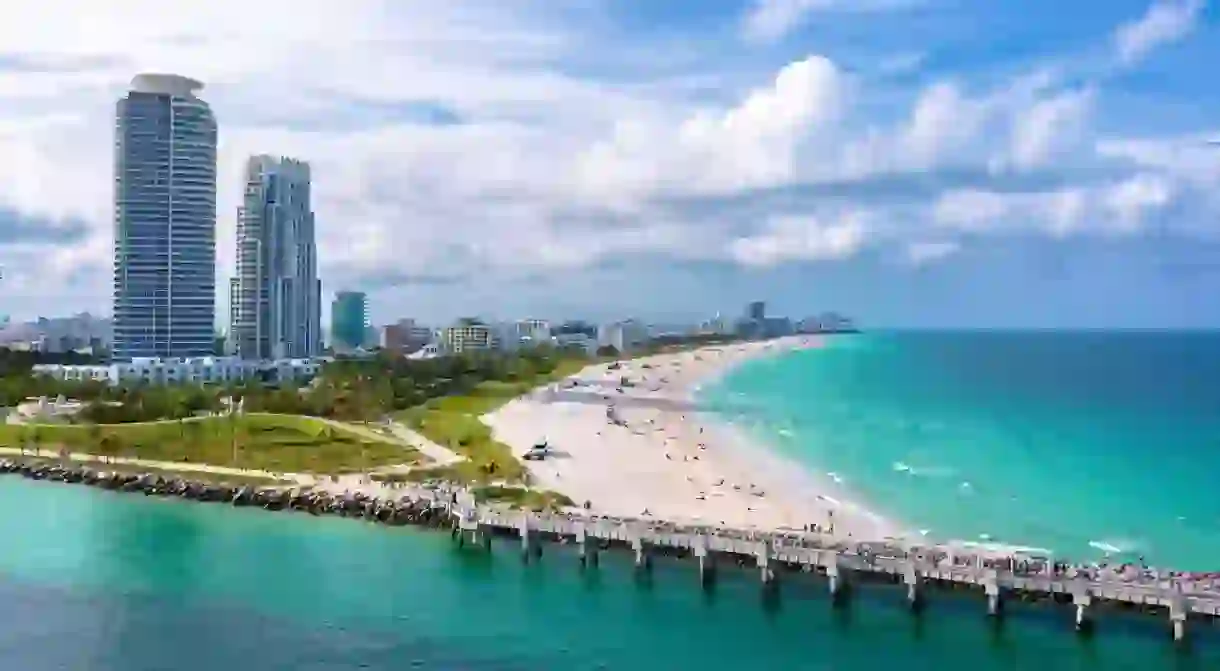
[912,162]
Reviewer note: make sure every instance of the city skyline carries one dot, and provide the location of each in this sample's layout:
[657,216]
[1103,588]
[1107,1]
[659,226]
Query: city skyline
[895,160]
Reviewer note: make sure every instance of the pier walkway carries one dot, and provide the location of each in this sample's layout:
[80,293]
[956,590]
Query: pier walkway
[996,572]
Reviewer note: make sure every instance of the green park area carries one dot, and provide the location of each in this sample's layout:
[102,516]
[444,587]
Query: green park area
[454,422]
[256,441]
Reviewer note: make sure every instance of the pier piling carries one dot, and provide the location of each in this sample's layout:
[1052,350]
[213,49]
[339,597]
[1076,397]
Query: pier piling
[643,561]
[1084,619]
[837,581]
[1177,619]
[707,567]
[762,555]
[995,601]
[910,576]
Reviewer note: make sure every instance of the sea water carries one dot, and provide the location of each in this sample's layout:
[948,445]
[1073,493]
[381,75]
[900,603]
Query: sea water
[92,580]
[106,581]
[1085,444]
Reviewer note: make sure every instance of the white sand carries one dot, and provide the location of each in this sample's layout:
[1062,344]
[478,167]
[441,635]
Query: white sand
[670,462]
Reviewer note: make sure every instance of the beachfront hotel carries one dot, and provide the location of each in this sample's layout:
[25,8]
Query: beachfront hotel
[165,220]
[275,298]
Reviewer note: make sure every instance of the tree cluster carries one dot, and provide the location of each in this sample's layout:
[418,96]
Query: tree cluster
[351,390]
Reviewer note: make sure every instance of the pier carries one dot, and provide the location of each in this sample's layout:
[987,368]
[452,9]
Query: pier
[996,575]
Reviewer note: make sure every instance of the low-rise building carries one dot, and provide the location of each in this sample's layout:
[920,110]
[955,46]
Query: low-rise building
[405,336]
[199,370]
[623,336]
[576,341]
[467,337]
[523,333]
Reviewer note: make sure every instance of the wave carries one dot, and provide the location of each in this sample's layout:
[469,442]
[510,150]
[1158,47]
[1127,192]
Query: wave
[1115,546]
[922,471]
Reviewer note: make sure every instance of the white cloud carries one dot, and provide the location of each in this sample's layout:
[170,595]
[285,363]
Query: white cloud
[924,253]
[804,238]
[1165,22]
[769,20]
[1049,127]
[1117,207]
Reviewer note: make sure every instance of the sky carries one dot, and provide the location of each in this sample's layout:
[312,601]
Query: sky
[913,163]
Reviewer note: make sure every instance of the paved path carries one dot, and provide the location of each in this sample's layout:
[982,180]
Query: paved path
[443,456]
[180,466]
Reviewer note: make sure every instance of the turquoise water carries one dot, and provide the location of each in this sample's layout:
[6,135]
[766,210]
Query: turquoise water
[102,581]
[1072,442]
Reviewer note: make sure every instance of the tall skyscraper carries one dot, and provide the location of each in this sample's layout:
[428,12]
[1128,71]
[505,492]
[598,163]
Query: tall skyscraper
[757,310]
[276,298]
[349,320]
[164,220]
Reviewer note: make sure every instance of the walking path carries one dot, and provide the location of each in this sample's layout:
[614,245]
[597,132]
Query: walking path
[443,456]
[181,466]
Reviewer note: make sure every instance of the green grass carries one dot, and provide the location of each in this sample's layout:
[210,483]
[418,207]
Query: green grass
[453,422]
[276,443]
[519,497]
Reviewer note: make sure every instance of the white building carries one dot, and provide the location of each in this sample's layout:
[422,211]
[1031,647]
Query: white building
[580,341]
[623,336]
[200,370]
[276,298]
[466,338]
[512,336]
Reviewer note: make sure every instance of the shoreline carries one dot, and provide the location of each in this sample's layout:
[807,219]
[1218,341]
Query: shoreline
[647,449]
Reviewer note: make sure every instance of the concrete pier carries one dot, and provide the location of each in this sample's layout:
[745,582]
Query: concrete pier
[916,566]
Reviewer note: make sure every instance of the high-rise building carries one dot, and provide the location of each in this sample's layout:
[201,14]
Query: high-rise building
[757,311]
[276,297]
[349,320]
[165,220]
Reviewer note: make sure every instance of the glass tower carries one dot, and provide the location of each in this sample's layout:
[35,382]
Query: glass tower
[349,320]
[165,220]
[276,296]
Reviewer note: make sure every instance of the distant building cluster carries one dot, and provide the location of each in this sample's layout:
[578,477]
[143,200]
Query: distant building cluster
[82,333]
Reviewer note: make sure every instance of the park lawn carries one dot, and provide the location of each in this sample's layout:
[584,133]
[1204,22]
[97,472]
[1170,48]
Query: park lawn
[266,442]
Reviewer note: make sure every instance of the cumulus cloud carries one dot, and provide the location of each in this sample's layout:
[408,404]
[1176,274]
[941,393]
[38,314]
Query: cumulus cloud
[1165,22]
[803,238]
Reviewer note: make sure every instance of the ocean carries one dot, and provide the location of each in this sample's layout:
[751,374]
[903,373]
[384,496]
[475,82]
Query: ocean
[102,581]
[1080,443]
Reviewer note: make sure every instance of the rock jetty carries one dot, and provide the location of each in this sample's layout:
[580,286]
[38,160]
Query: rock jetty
[420,507]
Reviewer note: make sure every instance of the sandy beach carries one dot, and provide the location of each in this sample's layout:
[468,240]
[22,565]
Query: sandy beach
[642,448]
